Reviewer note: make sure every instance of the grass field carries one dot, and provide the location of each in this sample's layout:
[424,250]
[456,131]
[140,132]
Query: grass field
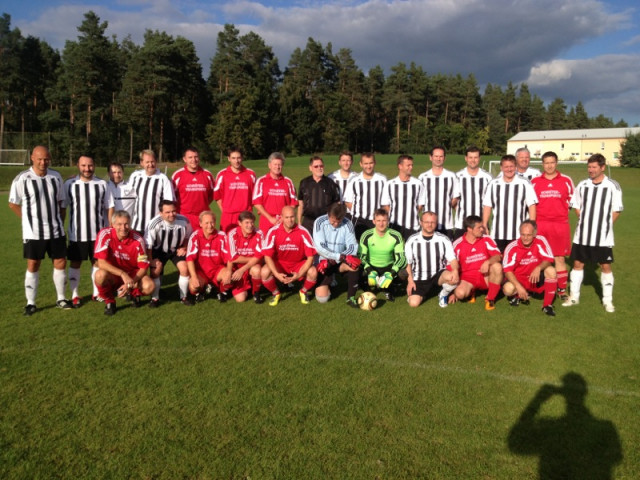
[320,391]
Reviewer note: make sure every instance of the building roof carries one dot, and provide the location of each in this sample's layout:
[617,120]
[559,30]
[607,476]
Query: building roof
[590,133]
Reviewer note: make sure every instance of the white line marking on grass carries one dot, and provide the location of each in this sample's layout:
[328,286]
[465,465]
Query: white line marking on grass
[341,358]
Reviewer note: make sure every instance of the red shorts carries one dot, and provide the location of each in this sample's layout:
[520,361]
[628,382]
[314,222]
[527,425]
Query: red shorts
[212,278]
[194,220]
[242,285]
[532,287]
[558,235]
[289,267]
[478,280]
[228,221]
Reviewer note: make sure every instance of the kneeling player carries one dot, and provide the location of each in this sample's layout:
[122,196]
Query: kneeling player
[288,256]
[528,267]
[122,263]
[207,259]
[480,267]
[245,257]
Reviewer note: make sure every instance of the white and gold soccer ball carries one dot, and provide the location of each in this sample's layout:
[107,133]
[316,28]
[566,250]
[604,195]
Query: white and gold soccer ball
[367,301]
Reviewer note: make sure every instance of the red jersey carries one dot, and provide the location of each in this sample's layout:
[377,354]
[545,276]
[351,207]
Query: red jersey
[243,246]
[274,194]
[288,247]
[472,255]
[553,198]
[235,189]
[193,190]
[522,260]
[209,254]
[129,255]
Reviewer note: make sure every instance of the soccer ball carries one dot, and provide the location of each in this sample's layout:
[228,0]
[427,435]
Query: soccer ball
[367,301]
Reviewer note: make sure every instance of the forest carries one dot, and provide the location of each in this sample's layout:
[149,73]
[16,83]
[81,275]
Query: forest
[111,98]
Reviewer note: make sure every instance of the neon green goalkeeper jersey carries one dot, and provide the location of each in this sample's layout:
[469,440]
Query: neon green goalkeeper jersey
[377,251]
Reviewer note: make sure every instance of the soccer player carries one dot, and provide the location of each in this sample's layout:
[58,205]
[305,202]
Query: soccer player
[511,199]
[472,183]
[234,190]
[382,254]
[528,267]
[207,258]
[288,256]
[272,192]
[430,262]
[364,193]
[36,196]
[315,194]
[150,186]
[403,198]
[122,263]
[90,206]
[480,263]
[598,203]
[523,158]
[121,191]
[245,257]
[193,187]
[167,236]
[440,191]
[554,191]
[344,174]
[337,247]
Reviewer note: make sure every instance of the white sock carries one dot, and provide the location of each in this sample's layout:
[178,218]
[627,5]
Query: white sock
[93,281]
[447,288]
[156,290]
[576,277]
[183,286]
[607,287]
[74,281]
[31,286]
[60,281]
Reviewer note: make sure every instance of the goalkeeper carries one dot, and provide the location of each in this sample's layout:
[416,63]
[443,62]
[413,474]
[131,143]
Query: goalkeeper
[382,254]
[337,247]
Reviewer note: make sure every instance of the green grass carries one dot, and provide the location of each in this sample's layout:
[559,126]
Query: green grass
[323,391]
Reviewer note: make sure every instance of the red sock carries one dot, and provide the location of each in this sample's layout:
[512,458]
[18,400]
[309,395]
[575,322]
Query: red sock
[256,283]
[308,285]
[271,286]
[550,286]
[106,293]
[563,278]
[494,289]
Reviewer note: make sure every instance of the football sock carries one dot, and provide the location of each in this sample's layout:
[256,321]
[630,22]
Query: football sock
[94,269]
[494,289]
[59,280]
[563,277]
[183,286]
[156,288]
[308,285]
[447,288]
[550,287]
[271,286]
[31,286]
[74,281]
[607,287]
[256,283]
[576,277]
[352,283]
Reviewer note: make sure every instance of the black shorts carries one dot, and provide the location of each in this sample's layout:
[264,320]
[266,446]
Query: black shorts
[502,244]
[423,287]
[326,278]
[164,257]
[36,249]
[586,254]
[79,251]
[405,232]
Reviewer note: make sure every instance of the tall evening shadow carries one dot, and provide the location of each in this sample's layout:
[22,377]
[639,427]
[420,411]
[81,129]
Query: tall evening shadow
[574,446]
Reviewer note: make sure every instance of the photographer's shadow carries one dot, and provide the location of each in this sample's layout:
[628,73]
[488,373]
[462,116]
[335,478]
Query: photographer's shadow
[574,446]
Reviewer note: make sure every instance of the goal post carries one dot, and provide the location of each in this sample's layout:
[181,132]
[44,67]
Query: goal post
[14,157]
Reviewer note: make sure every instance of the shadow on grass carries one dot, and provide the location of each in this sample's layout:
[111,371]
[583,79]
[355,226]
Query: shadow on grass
[573,446]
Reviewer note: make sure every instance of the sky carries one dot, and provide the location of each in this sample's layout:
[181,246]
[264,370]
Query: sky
[578,50]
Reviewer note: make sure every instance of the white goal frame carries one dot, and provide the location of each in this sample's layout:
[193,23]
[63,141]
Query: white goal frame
[13,155]
[535,163]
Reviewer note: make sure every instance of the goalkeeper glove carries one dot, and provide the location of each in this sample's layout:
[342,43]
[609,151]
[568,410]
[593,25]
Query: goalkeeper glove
[385,281]
[371,279]
[352,262]
[322,266]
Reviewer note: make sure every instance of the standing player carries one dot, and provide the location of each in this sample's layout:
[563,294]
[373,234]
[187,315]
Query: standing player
[167,236]
[364,193]
[193,187]
[337,247]
[528,267]
[121,191]
[403,198]
[598,203]
[382,254]
[234,190]
[272,192]
[523,158]
[245,257]
[315,194]
[430,262]
[36,196]
[480,263]
[554,191]
[122,263]
[511,199]
[344,174]
[207,259]
[440,191]
[472,183]
[90,206]
[288,256]
[150,186]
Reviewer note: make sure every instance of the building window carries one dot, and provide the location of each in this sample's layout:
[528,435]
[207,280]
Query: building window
[562,146]
[602,146]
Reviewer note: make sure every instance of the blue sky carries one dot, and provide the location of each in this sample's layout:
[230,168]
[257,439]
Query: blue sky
[579,50]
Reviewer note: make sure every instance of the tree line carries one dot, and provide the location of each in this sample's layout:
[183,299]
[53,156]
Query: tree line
[112,98]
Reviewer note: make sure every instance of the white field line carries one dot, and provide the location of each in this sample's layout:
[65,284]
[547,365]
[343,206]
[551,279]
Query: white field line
[477,372]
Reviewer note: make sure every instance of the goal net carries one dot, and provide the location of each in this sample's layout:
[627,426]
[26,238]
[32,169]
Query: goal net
[14,157]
